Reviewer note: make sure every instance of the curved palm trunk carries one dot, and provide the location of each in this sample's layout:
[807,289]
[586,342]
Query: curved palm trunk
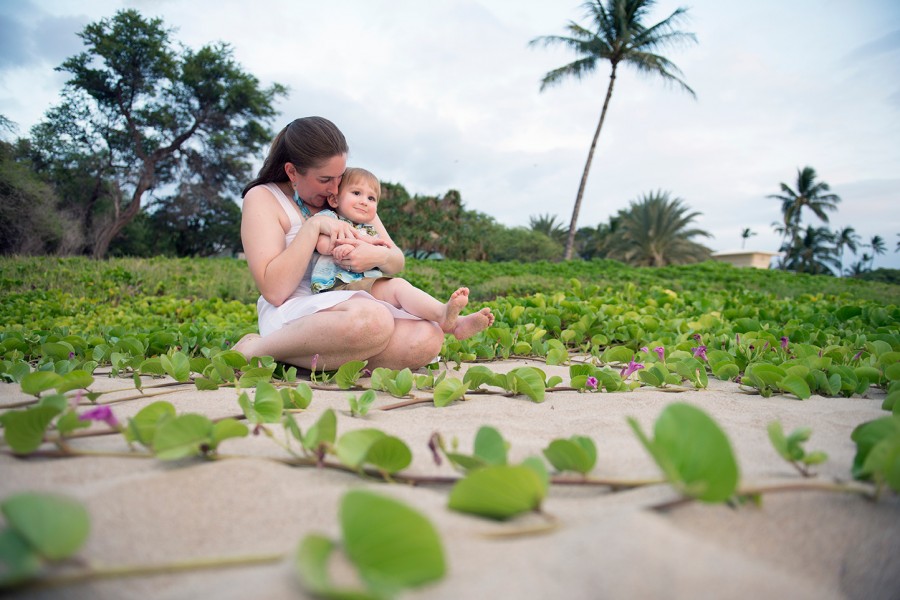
[573,224]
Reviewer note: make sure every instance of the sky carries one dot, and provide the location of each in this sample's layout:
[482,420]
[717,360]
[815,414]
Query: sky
[445,94]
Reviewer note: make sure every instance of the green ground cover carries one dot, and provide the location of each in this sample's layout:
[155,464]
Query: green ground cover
[616,328]
[776,331]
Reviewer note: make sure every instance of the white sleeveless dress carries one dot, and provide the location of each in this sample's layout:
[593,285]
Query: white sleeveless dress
[303,302]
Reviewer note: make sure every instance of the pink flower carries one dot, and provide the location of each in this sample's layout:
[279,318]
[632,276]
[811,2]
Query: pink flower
[784,342]
[631,368]
[591,383]
[75,400]
[661,352]
[700,352]
[100,413]
[312,365]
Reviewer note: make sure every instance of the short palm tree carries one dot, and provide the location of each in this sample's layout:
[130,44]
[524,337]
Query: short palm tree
[548,225]
[655,231]
[878,247]
[617,34]
[812,251]
[846,237]
[745,235]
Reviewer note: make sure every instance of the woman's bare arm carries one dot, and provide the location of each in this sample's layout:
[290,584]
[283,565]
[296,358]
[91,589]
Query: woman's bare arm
[276,269]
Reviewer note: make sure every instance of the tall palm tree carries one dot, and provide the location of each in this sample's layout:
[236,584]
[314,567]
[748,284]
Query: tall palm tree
[809,194]
[617,34]
[655,231]
[745,235]
[846,237]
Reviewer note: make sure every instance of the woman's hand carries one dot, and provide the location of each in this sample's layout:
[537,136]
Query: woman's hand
[364,255]
[335,229]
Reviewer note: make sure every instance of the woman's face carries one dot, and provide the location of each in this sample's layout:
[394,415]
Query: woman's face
[318,184]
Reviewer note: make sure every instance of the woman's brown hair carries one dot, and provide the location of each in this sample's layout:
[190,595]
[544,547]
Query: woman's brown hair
[306,143]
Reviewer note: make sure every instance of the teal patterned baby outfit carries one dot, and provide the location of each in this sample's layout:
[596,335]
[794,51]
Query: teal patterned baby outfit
[326,271]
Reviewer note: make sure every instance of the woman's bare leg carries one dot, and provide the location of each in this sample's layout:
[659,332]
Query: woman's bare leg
[355,329]
[402,294]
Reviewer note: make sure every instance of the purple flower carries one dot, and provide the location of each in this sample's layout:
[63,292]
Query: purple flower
[661,352]
[698,337]
[700,352]
[100,413]
[591,382]
[784,342]
[312,365]
[858,354]
[71,355]
[645,349]
[631,368]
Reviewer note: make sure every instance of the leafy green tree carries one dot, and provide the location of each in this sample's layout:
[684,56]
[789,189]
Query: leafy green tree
[425,225]
[138,115]
[656,231]
[617,34]
[29,221]
[473,236]
[812,250]
[523,245]
[193,222]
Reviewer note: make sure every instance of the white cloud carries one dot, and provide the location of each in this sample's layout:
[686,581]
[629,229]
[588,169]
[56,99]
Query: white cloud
[444,94]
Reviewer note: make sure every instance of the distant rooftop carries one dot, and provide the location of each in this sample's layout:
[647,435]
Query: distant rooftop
[757,259]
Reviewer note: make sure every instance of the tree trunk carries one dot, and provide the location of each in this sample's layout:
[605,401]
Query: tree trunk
[121,219]
[573,224]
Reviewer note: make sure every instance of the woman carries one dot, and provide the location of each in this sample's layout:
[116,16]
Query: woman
[279,231]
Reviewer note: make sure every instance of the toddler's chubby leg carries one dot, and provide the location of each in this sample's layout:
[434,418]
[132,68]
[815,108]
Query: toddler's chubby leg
[404,295]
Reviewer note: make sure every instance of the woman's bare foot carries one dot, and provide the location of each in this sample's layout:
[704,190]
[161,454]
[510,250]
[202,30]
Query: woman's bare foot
[458,301]
[247,345]
[469,325]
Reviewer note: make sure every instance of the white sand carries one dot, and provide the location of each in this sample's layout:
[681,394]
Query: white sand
[799,544]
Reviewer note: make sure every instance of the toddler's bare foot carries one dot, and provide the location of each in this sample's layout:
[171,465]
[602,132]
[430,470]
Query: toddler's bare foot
[247,345]
[458,301]
[469,325]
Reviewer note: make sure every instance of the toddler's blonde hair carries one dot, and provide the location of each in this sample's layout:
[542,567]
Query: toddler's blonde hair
[355,174]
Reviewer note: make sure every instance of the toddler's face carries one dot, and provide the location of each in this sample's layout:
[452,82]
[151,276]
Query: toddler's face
[357,202]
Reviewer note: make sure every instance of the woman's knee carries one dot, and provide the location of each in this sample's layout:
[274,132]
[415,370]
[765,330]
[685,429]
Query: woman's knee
[371,322]
[426,340]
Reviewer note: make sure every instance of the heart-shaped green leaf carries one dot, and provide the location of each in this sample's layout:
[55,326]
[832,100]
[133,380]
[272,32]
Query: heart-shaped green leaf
[55,526]
[142,426]
[24,430]
[490,446]
[693,453]
[449,390]
[392,545]
[182,436]
[498,492]
[577,453]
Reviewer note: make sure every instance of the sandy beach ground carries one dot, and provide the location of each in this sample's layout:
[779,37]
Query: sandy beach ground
[607,544]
